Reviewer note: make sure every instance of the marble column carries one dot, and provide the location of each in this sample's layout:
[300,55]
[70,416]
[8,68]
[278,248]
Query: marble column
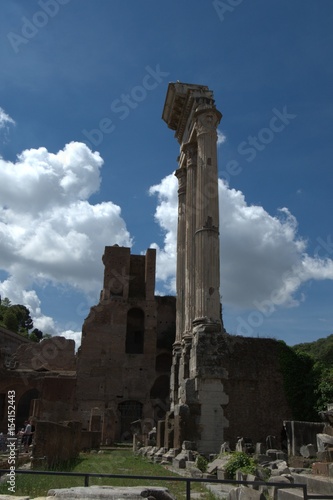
[190,150]
[207,248]
[180,276]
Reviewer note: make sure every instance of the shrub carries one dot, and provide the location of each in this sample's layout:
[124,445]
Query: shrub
[201,462]
[240,461]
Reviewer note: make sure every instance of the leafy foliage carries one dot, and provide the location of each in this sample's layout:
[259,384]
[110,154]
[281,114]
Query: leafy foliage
[240,461]
[300,382]
[320,350]
[201,462]
[16,317]
[324,391]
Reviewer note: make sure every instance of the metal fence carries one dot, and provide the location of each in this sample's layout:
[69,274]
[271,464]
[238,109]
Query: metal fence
[188,480]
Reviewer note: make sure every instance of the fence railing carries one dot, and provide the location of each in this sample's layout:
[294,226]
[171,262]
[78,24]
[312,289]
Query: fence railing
[188,480]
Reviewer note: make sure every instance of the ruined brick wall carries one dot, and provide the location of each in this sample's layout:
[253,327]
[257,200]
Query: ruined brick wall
[55,353]
[123,371]
[255,386]
[45,395]
[55,444]
[9,342]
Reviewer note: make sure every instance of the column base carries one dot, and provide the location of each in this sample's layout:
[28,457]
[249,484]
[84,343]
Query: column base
[207,324]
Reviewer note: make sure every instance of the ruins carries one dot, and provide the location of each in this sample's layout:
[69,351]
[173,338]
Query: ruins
[197,393]
[161,362]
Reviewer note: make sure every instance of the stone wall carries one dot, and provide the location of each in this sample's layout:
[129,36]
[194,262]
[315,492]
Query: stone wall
[90,440]
[55,353]
[257,402]
[55,444]
[125,355]
[9,342]
[44,395]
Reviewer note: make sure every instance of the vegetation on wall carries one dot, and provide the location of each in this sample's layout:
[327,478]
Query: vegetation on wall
[321,353]
[299,382]
[16,318]
[308,377]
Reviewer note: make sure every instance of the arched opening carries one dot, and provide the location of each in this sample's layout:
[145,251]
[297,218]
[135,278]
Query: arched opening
[130,411]
[135,331]
[24,406]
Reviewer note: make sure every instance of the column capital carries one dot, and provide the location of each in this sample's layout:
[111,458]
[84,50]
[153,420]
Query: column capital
[190,149]
[207,119]
[181,176]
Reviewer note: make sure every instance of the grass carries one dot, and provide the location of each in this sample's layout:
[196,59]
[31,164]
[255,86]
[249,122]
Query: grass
[118,461]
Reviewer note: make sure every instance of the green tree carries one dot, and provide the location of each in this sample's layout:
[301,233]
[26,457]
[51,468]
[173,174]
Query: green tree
[324,391]
[10,320]
[23,317]
[37,333]
[300,382]
[6,302]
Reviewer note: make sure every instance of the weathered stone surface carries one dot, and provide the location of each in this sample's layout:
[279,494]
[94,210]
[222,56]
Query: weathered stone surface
[53,354]
[195,472]
[243,493]
[254,479]
[218,463]
[260,449]
[320,468]
[279,479]
[109,492]
[308,450]
[324,441]
[11,497]
[180,460]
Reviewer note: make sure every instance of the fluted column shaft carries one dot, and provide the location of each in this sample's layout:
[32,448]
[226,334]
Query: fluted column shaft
[180,275]
[190,150]
[207,257]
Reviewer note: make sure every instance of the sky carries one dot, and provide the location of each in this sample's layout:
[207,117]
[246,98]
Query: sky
[86,160]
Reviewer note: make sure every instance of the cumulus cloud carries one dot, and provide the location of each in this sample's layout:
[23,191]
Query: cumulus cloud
[49,231]
[262,256]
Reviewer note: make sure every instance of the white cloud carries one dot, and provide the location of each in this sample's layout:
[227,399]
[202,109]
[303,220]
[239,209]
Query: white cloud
[49,232]
[5,119]
[166,216]
[221,138]
[262,256]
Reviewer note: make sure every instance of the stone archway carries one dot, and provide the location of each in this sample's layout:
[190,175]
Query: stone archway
[24,406]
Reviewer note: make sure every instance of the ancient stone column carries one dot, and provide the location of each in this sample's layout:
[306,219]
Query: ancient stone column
[190,150]
[207,256]
[180,279]
[197,404]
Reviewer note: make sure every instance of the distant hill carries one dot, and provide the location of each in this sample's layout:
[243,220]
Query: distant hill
[320,350]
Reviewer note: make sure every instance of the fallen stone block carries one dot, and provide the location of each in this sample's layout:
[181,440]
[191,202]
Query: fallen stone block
[11,497]
[320,468]
[244,493]
[195,472]
[109,493]
[217,463]
[308,450]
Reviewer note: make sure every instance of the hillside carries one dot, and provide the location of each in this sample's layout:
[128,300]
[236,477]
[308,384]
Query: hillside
[320,350]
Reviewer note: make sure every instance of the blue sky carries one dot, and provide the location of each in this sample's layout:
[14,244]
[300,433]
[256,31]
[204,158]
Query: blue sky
[86,160]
